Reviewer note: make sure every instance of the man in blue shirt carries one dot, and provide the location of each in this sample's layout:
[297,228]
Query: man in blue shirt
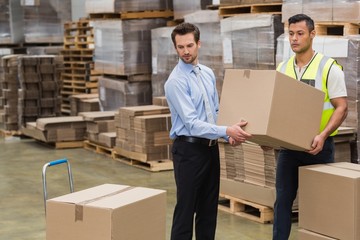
[193,101]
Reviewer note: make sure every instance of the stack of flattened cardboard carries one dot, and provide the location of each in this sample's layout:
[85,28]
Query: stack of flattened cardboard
[39,94]
[231,162]
[143,133]
[9,92]
[100,127]
[56,129]
[84,103]
[160,101]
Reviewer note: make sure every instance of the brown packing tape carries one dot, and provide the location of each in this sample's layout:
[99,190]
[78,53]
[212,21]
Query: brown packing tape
[247,73]
[79,212]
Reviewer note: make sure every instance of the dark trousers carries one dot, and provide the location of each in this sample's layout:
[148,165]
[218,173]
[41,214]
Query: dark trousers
[287,176]
[197,177]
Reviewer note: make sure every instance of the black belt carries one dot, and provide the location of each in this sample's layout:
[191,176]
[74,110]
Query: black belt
[204,141]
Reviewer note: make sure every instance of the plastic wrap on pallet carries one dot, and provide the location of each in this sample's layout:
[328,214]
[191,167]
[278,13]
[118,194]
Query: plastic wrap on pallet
[116,93]
[115,6]
[44,23]
[11,23]
[184,7]
[164,58]
[323,10]
[259,53]
[123,47]
[290,8]
[211,52]
[346,11]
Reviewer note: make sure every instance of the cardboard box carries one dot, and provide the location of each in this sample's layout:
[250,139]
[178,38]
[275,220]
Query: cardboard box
[329,200]
[308,235]
[281,111]
[108,212]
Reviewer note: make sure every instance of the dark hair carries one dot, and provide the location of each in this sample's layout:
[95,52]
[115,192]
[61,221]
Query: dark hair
[185,28]
[302,17]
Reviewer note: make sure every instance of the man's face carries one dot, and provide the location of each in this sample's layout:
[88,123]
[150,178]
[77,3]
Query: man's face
[187,48]
[300,38]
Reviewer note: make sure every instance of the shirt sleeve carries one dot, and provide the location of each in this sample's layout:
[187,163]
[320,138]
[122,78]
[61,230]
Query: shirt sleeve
[336,83]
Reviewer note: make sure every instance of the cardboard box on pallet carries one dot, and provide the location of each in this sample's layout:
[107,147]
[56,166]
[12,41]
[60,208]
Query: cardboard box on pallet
[108,212]
[326,191]
[274,105]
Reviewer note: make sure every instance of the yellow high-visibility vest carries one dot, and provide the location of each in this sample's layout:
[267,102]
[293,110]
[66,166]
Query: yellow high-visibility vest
[316,75]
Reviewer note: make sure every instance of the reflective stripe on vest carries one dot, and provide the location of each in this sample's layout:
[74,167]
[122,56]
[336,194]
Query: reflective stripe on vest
[318,71]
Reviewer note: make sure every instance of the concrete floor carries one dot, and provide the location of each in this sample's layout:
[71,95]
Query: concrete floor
[21,202]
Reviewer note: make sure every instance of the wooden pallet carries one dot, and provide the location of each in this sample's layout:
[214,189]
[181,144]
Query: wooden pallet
[63,145]
[133,15]
[7,133]
[228,11]
[98,148]
[337,28]
[246,209]
[152,166]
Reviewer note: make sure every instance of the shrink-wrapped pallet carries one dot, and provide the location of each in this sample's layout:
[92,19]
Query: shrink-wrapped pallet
[257,54]
[164,58]
[43,22]
[183,7]
[11,23]
[123,47]
[115,6]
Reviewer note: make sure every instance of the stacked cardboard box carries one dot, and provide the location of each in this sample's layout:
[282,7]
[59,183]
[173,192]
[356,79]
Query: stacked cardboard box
[39,94]
[9,92]
[44,20]
[100,127]
[143,133]
[109,212]
[11,26]
[259,53]
[326,191]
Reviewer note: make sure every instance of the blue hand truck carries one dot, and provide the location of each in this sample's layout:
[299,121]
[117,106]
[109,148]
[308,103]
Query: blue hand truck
[54,163]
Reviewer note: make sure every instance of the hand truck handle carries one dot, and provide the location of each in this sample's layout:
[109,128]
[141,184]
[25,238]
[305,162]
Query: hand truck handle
[54,163]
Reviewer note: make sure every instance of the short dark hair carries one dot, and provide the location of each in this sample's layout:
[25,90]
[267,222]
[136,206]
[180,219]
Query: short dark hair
[185,28]
[302,17]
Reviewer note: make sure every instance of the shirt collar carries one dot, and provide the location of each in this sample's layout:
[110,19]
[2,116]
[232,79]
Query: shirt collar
[187,67]
[306,65]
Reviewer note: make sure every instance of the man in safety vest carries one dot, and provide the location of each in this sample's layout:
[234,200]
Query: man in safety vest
[322,73]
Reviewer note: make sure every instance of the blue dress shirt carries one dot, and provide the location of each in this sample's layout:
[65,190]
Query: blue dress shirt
[185,100]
